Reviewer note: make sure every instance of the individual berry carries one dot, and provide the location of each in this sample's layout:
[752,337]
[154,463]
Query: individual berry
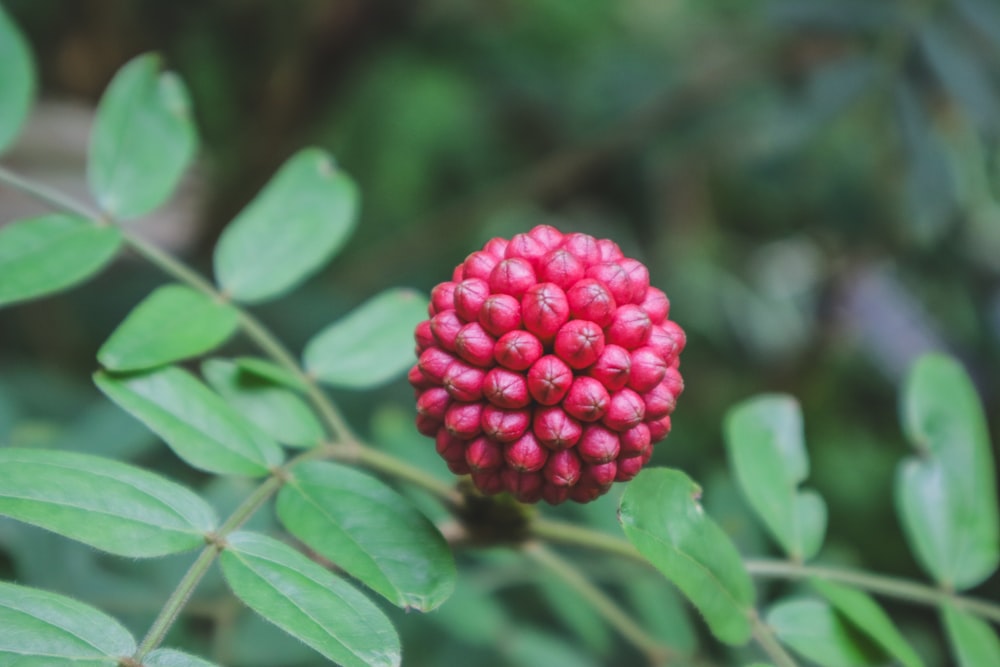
[517,350]
[613,368]
[445,326]
[656,304]
[480,265]
[469,297]
[614,277]
[512,276]
[525,454]
[590,300]
[579,343]
[506,389]
[555,429]
[562,268]
[505,425]
[473,344]
[433,363]
[587,399]
[544,309]
[483,454]
[625,410]
[442,297]
[500,313]
[629,327]
[463,420]
[464,382]
[648,369]
[548,367]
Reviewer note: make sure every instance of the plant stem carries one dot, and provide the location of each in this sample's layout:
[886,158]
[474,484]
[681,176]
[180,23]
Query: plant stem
[175,603]
[766,640]
[657,653]
[893,587]
[567,533]
[394,467]
[50,196]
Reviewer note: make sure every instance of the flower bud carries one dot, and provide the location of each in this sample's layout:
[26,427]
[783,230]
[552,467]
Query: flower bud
[628,468]
[497,247]
[469,297]
[417,380]
[648,369]
[579,343]
[544,309]
[444,327]
[512,276]
[547,235]
[464,382]
[525,486]
[614,277]
[561,268]
[563,468]
[526,247]
[635,442]
[625,410]
[505,389]
[555,429]
[612,368]
[590,300]
[450,448]
[656,304]
[629,327]
[424,336]
[659,401]
[638,277]
[433,403]
[475,345]
[598,445]
[609,250]
[489,482]
[658,428]
[483,454]
[500,313]
[517,350]
[480,265]
[584,246]
[525,454]
[587,399]
[433,363]
[442,297]
[505,425]
[462,420]
[549,379]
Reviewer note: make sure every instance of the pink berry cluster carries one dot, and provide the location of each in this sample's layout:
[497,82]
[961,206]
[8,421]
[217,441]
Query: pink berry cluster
[548,367]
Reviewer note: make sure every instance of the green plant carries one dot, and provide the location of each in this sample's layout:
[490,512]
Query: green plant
[229,423]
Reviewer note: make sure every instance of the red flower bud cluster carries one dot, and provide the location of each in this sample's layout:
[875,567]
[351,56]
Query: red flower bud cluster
[548,367]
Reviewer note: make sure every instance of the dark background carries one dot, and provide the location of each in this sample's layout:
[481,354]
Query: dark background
[814,183]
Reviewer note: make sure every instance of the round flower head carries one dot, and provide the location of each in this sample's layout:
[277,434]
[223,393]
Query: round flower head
[548,367]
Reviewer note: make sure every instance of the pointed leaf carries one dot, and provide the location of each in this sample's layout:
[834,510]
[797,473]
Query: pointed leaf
[51,253]
[173,323]
[289,231]
[308,602]
[195,422]
[973,641]
[17,80]
[947,499]
[369,531]
[371,345]
[766,450]
[109,505]
[274,409]
[165,657]
[41,629]
[663,519]
[867,617]
[143,139]
[815,631]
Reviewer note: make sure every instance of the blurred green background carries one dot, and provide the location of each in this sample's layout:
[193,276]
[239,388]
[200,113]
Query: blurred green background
[814,183]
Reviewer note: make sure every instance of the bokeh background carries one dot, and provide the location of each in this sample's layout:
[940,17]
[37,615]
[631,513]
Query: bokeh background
[814,183]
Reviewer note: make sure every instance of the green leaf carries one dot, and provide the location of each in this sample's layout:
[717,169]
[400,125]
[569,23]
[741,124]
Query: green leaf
[947,498]
[973,641]
[17,80]
[867,617]
[274,409]
[51,253]
[173,323]
[371,345]
[663,519]
[294,226]
[267,370]
[143,139]
[764,439]
[165,657]
[308,602]
[369,531]
[109,505]
[41,629]
[194,421]
[813,629]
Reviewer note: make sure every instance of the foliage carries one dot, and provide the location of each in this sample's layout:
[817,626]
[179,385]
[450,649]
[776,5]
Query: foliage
[331,570]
